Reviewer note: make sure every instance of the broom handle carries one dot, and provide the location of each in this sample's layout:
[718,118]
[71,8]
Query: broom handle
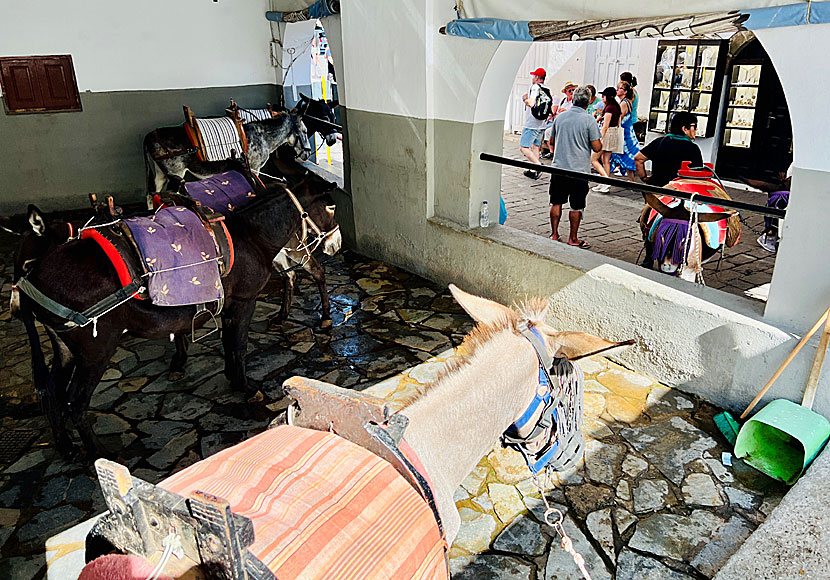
[815,372]
[780,370]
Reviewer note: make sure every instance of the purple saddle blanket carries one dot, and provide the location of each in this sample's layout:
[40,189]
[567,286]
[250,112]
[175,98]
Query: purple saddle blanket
[180,256]
[222,193]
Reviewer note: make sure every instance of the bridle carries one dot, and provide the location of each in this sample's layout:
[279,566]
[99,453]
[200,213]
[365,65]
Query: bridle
[549,432]
[304,245]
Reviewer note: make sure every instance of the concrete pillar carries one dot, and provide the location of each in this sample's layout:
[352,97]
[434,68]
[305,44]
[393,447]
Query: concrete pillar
[800,289]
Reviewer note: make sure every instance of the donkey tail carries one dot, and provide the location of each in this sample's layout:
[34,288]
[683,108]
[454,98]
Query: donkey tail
[40,372]
[150,167]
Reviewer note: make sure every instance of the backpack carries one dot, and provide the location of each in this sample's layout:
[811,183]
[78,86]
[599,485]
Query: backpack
[543,106]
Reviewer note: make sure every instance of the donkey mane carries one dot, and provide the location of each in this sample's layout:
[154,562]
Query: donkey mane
[531,310]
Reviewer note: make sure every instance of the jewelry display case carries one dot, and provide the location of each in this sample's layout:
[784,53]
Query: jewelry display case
[687,77]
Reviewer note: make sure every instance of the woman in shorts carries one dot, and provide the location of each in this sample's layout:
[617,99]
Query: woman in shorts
[612,137]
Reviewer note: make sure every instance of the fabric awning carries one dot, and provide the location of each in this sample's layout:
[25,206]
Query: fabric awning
[609,19]
[299,10]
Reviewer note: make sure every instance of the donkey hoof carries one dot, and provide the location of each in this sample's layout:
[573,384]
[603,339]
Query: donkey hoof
[174,376]
[325,323]
[277,322]
[257,397]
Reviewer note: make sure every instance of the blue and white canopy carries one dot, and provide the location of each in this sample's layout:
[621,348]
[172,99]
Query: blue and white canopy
[606,19]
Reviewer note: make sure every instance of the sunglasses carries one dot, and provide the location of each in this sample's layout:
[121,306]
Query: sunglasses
[569,91]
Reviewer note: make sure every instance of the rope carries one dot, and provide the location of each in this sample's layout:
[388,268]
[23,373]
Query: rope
[94,319]
[567,543]
[216,259]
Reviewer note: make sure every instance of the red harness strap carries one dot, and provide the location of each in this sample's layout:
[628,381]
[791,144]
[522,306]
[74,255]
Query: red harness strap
[115,257]
[229,263]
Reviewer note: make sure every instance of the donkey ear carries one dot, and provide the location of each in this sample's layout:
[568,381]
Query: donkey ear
[577,345]
[36,220]
[480,309]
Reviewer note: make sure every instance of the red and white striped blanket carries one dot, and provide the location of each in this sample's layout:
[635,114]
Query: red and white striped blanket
[322,507]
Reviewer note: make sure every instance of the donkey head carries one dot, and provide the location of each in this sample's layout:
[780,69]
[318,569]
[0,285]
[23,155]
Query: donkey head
[670,239]
[38,238]
[560,344]
[324,110]
[321,209]
[298,136]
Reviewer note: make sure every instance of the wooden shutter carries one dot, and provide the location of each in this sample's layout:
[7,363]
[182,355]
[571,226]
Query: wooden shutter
[39,84]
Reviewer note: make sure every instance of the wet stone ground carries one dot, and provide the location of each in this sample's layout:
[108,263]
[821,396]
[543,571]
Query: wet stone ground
[651,500]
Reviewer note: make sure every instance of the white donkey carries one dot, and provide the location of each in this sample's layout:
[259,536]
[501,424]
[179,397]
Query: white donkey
[279,483]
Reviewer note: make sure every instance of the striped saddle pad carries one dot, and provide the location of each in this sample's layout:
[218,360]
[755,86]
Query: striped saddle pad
[322,507]
[220,138]
[250,115]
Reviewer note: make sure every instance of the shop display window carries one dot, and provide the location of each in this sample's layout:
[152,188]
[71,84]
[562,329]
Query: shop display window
[686,75]
[742,97]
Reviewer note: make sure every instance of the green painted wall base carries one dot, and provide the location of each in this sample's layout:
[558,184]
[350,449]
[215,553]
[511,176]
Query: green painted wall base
[56,159]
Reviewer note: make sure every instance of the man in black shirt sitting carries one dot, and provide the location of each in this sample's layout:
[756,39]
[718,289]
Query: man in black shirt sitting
[667,153]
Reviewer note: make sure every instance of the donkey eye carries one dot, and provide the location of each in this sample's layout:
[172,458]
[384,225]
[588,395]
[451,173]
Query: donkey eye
[330,209]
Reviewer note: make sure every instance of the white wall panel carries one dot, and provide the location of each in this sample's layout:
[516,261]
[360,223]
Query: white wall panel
[152,44]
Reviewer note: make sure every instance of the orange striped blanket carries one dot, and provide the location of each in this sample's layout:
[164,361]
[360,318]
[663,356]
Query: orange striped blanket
[322,507]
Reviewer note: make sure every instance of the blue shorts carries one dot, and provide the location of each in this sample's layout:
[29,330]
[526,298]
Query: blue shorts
[531,137]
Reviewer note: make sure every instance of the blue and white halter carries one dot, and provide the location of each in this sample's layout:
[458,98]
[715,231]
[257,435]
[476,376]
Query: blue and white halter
[549,432]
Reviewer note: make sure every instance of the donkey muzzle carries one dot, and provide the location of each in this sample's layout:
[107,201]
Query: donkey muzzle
[332,243]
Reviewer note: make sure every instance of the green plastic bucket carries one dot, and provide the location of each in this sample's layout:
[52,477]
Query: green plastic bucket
[782,439]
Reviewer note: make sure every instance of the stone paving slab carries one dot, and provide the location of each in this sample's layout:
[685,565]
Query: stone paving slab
[688,513]
[610,225]
[392,332]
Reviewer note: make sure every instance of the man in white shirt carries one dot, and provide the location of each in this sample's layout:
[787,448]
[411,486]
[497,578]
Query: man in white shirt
[534,128]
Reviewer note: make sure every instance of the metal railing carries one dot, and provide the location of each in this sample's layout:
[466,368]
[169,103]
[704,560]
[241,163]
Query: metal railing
[324,123]
[641,187]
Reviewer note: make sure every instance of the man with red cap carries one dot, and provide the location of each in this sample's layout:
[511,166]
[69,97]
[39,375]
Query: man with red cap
[534,128]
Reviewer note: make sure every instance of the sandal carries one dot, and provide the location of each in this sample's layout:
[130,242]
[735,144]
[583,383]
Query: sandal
[555,239]
[582,244]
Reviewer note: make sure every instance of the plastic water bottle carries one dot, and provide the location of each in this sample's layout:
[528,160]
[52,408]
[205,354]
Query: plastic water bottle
[484,220]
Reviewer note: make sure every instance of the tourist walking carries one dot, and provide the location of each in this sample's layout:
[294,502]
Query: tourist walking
[639,123]
[575,135]
[612,139]
[631,146]
[533,129]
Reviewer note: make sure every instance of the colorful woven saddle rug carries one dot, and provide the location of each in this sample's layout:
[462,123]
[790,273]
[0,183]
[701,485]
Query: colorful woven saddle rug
[179,256]
[322,507]
[222,193]
[713,233]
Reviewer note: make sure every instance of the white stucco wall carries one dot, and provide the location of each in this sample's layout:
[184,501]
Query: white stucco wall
[420,77]
[152,44]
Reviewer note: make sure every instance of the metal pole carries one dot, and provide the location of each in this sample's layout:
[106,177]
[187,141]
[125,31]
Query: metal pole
[641,187]
[324,123]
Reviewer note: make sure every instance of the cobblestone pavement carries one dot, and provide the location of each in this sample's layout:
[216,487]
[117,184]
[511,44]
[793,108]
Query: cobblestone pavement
[610,225]
[652,498]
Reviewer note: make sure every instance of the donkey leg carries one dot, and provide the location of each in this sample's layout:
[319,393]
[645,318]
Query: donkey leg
[176,372]
[648,260]
[52,394]
[87,376]
[236,319]
[287,296]
[282,264]
[318,272]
